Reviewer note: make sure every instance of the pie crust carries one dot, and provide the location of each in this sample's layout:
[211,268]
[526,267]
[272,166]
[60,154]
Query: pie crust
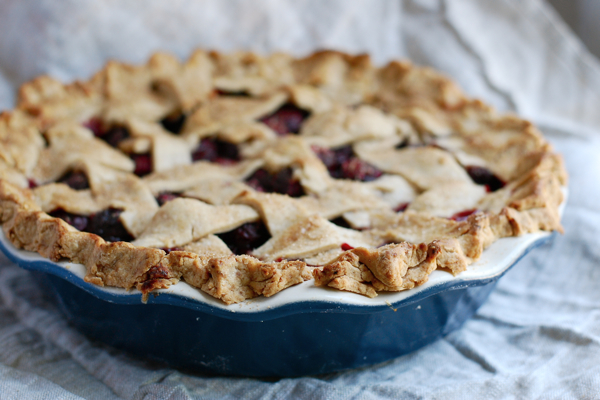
[425,178]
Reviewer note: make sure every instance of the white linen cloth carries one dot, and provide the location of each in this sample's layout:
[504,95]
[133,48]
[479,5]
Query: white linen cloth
[538,335]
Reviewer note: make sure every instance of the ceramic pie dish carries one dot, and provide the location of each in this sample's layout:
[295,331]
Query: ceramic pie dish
[246,184]
[302,331]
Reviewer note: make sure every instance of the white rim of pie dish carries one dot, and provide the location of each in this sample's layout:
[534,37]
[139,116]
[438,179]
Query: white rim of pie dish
[493,263]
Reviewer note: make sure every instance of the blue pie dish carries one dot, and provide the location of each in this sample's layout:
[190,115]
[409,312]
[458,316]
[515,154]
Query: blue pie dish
[303,330]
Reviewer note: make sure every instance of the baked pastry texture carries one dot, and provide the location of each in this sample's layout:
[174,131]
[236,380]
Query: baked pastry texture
[244,175]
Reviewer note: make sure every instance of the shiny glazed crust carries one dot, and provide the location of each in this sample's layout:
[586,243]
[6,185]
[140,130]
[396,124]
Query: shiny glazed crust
[411,123]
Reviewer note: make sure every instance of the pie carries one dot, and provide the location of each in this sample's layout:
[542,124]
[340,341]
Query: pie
[243,175]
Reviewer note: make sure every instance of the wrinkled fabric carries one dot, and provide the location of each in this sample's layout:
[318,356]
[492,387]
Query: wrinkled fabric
[538,335]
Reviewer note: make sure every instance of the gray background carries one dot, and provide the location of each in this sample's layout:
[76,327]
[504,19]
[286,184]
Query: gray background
[538,336]
[583,17]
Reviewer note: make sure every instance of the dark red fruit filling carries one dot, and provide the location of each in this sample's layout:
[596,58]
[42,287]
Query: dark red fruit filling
[220,92]
[105,224]
[96,126]
[279,182]
[341,221]
[173,123]
[343,164]
[346,247]
[165,197]
[402,144]
[334,158]
[108,226]
[288,119]
[32,184]
[170,249]
[401,207]
[79,222]
[244,239]
[463,215]
[75,180]
[215,150]
[360,170]
[483,176]
[113,136]
[143,163]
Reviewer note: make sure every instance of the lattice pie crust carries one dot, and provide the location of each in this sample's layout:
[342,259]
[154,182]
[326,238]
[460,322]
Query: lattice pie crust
[328,168]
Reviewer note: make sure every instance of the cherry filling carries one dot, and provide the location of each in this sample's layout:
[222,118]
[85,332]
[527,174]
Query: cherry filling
[342,163]
[143,163]
[245,238]
[165,197]
[281,181]
[341,221]
[96,126]
[221,92]
[170,249]
[105,224]
[75,180]
[346,247]
[483,176]
[114,135]
[401,207]
[402,144]
[174,122]
[79,222]
[463,215]
[288,119]
[215,150]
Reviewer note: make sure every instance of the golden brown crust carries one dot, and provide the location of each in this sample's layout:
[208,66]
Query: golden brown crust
[237,278]
[377,111]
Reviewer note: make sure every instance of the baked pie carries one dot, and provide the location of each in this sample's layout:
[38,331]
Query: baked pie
[243,175]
